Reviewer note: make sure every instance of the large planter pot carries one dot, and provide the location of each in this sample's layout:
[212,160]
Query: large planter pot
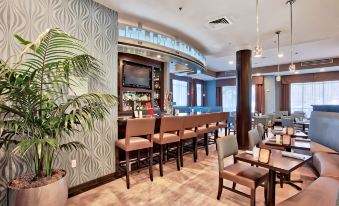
[54,194]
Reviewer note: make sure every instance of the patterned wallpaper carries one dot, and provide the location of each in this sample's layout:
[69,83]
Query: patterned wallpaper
[97,26]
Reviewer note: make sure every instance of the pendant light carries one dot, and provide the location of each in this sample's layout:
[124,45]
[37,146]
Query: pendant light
[279,55]
[292,65]
[258,49]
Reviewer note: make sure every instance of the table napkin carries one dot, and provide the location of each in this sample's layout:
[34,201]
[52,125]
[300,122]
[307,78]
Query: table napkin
[294,155]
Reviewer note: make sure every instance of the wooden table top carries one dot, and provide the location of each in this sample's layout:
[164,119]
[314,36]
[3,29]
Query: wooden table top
[277,162]
[295,144]
[296,133]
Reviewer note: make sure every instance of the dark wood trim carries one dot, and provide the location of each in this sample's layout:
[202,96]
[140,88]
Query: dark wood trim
[314,77]
[232,81]
[73,191]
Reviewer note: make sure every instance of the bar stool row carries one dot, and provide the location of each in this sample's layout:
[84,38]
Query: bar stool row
[174,130]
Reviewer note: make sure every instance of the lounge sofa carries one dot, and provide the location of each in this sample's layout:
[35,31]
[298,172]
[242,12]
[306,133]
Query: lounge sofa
[324,133]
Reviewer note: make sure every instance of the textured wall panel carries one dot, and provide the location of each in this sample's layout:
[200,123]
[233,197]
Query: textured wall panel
[97,27]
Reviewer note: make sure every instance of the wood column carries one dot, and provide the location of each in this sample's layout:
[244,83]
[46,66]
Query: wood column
[243,83]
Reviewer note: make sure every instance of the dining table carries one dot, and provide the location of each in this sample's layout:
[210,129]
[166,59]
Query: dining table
[277,163]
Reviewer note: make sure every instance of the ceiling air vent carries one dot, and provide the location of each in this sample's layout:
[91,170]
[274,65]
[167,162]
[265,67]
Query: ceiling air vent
[316,62]
[218,23]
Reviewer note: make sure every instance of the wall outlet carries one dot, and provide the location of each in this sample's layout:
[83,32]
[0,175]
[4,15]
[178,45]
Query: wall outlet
[74,163]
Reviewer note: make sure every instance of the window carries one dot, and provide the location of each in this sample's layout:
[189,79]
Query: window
[180,89]
[229,98]
[199,94]
[304,95]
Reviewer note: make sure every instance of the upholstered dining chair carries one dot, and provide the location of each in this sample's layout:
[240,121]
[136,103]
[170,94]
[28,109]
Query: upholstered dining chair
[189,132]
[254,138]
[287,121]
[171,128]
[232,124]
[136,130]
[238,173]
[261,130]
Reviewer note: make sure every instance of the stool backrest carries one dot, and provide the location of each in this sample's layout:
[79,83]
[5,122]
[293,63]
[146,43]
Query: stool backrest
[223,116]
[171,124]
[140,127]
[191,121]
[226,146]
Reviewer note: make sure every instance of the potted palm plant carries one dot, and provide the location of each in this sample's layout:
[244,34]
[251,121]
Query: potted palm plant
[39,117]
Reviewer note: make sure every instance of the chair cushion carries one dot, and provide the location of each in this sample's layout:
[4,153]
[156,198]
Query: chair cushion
[321,192]
[244,174]
[213,127]
[316,147]
[326,164]
[136,143]
[222,124]
[166,139]
[188,134]
[202,130]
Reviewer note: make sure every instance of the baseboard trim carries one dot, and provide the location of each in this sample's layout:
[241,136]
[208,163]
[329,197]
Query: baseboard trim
[73,191]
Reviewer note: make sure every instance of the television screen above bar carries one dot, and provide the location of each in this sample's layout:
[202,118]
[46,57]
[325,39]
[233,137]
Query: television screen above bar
[137,76]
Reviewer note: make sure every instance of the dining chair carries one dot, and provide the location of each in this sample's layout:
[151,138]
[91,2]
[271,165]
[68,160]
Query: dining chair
[261,130]
[136,130]
[189,133]
[287,121]
[254,138]
[232,125]
[171,128]
[238,173]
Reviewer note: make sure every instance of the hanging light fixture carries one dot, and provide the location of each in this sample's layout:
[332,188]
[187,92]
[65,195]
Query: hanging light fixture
[280,55]
[292,65]
[258,49]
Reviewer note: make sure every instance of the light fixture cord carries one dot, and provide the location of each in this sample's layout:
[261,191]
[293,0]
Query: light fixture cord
[278,51]
[257,10]
[291,3]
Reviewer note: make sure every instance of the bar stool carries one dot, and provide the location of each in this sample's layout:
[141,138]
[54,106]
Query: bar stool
[202,129]
[170,132]
[134,141]
[223,121]
[190,124]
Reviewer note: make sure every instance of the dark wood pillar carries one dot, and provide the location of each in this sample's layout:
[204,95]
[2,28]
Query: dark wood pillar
[244,83]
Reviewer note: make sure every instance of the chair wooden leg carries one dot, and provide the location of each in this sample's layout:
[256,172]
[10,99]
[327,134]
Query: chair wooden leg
[117,161]
[138,159]
[161,157]
[252,197]
[127,169]
[150,166]
[195,153]
[266,191]
[181,153]
[221,184]
[206,143]
[234,185]
[178,156]
[281,180]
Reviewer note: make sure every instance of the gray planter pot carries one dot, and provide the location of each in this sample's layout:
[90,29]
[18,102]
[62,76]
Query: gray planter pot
[54,194]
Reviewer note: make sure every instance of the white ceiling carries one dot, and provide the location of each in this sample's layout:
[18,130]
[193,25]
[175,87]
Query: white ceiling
[315,24]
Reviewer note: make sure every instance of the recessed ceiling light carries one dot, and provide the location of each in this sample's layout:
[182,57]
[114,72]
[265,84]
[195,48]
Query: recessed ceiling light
[186,64]
[158,56]
[280,55]
[230,62]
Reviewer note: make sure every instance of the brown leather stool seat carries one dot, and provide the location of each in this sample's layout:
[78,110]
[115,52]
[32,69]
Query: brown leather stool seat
[167,138]
[244,174]
[136,143]
[188,134]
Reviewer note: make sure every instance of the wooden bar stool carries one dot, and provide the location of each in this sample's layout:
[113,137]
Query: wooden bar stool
[190,124]
[134,140]
[170,132]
